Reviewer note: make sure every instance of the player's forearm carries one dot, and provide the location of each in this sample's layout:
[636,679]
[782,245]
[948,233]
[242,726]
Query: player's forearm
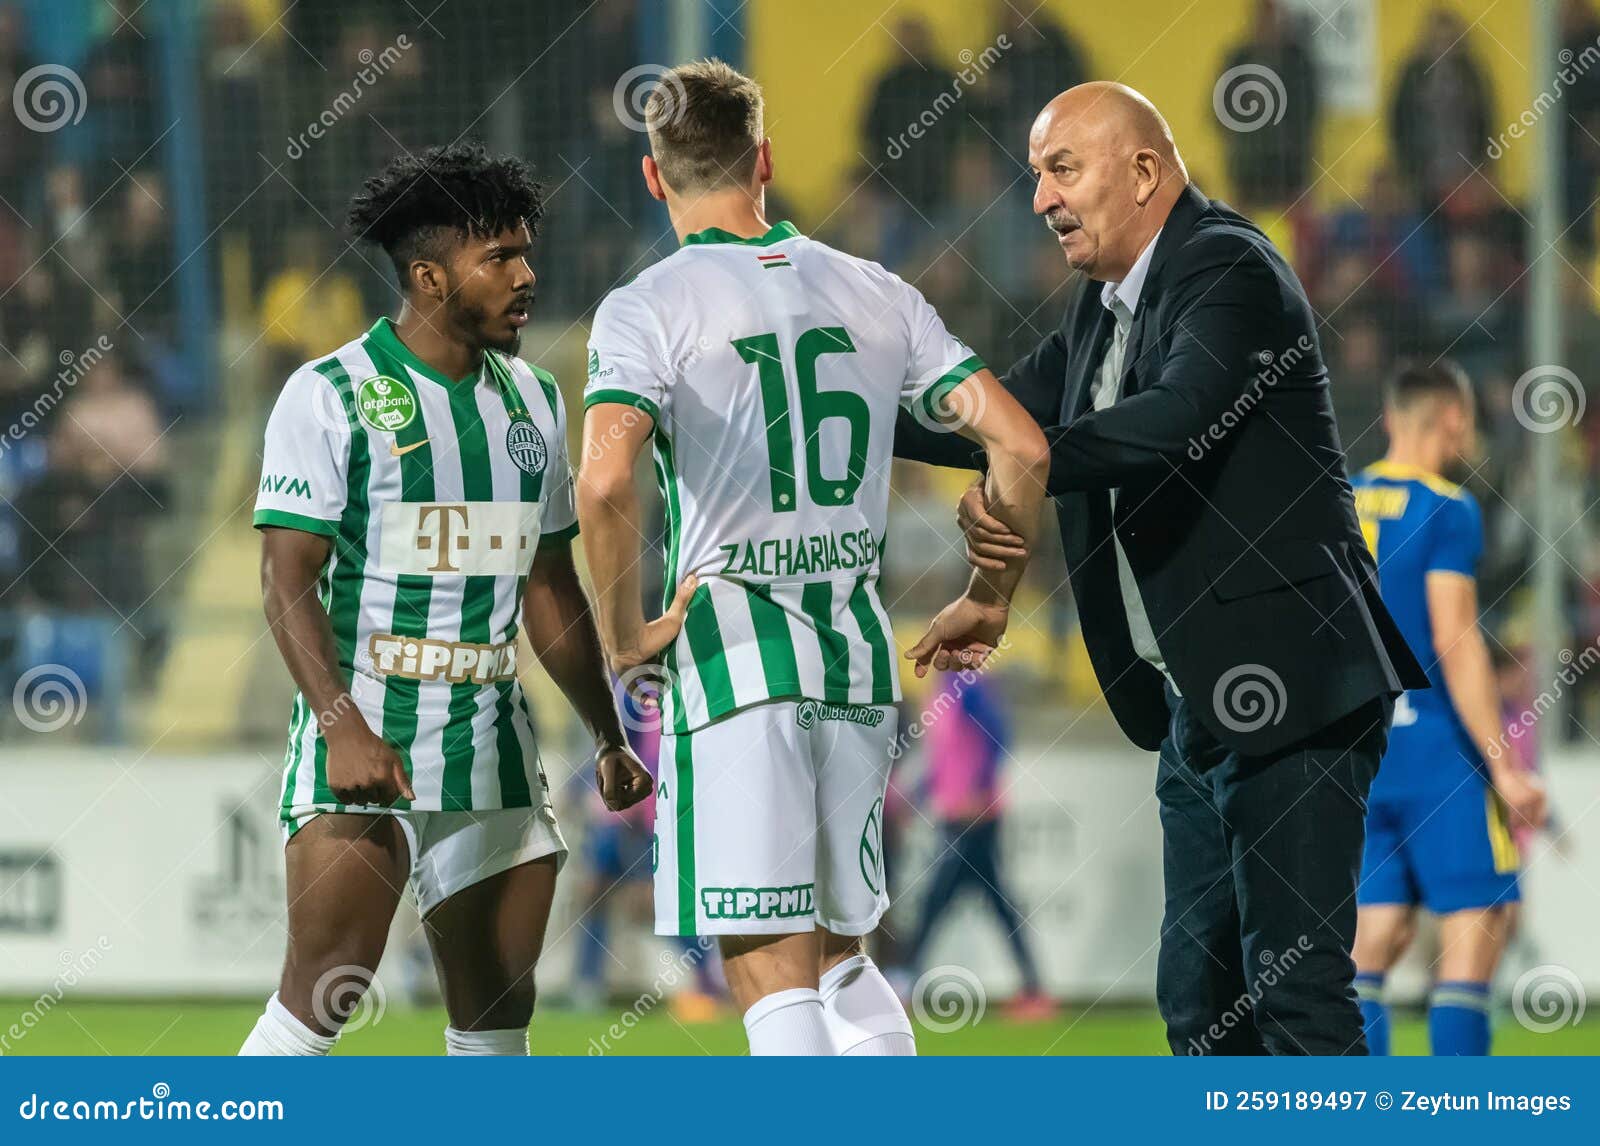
[561,631]
[304,636]
[1469,679]
[609,514]
[1014,489]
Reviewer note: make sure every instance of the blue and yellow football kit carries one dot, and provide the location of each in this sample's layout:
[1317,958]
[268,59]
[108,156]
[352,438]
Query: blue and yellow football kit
[1436,830]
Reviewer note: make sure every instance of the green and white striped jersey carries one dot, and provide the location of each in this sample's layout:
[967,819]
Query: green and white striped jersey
[436,493]
[773,368]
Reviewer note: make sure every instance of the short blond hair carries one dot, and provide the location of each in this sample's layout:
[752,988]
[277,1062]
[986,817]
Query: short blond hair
[705,124]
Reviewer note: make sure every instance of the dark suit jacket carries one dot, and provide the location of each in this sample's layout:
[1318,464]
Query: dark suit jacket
[1234,508]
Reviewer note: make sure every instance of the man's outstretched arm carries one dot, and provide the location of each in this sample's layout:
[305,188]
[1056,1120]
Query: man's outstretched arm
[1014,489]
[562,633]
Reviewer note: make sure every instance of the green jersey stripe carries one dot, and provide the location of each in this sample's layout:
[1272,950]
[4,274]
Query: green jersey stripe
[688,892]
[299,521]
[772,638]
[710,658]
[477,602]
[514,791]
[817,601]
[872,629]
[413,592]
[936,390]
[667,479]
[624,398]
[348,574]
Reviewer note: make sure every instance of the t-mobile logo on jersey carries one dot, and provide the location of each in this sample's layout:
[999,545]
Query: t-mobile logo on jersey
[758,902]
[469,539]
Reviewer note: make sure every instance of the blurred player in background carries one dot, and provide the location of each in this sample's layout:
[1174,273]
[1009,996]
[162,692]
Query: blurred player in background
[767,369]
[1441,809]
[966,746]
[416,512]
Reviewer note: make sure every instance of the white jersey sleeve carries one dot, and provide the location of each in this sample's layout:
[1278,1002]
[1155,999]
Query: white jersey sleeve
[625,359]
[306,458]
[560,511]
[937,361]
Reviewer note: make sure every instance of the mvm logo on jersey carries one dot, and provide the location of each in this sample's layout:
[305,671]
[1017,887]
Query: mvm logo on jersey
[287,485]
[773,262]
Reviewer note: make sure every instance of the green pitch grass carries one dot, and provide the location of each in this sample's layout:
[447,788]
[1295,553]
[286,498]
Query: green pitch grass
[210,1028]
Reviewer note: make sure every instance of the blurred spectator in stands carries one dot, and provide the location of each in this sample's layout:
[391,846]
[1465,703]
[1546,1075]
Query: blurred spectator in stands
[1439,123]
[234,92]
[1042,62]
[121,85]
[21,149]
[993,232]
[871,222]
[1389,234]
[1269,163]
[1475,321]
[309,308]
[1359,354]
[88,518]
[910,132]
[966,745]
[140,258]
[1580,36]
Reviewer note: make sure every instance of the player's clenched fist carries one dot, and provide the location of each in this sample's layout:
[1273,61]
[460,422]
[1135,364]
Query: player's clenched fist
[363,768]
[991,544]
[622,779]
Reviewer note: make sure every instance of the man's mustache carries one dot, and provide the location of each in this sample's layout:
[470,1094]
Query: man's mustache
[1060,221]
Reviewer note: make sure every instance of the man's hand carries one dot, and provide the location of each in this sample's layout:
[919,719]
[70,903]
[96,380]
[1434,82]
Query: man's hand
[657,634]
[1524,796]
[990,542]
[962,636]
[364,768]
[622,779]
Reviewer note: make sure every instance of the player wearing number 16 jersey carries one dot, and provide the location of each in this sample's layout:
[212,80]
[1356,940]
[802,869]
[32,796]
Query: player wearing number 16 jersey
[766,369]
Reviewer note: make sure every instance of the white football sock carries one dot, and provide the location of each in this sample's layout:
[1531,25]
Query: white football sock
[788,1023]
[864,1017]
[511,1042]
[278,1033]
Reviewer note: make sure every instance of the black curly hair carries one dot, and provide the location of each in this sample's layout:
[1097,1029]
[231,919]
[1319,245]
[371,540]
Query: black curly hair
[420,205]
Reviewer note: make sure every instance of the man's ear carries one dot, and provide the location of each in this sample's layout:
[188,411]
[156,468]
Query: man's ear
[652,179]
[1146,175]
[429,279]
[764,162]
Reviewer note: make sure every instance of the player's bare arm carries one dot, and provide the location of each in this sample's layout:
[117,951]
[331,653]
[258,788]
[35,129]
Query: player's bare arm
[562,634]
[609,514]
[362,767]
[1013,489]
[1469,678]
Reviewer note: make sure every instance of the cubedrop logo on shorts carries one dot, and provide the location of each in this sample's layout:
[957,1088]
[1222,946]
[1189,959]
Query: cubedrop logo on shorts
[526,446]
[808,712]
[385,404]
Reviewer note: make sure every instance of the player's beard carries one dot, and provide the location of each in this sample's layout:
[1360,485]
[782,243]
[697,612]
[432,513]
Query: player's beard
[476,325]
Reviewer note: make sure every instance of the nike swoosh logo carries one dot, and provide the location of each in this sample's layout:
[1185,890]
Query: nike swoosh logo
[400,451]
